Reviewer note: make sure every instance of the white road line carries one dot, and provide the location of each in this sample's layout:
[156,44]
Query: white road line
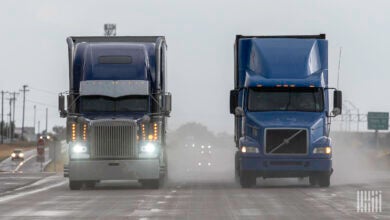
[23,162]
[19,195]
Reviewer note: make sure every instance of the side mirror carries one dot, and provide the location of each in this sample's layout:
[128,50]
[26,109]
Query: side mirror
[233,100]
[61,106]
[145,119]
[167,104]
[239,112]
[337,102]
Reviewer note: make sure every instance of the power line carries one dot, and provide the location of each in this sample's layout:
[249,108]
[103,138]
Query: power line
[41,103]
[44,91]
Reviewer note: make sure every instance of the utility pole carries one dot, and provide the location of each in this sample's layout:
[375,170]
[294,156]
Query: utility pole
[2,116]
[35,116]
[39,127]
[24,104]
[10,119]
[13,115]
[46,119]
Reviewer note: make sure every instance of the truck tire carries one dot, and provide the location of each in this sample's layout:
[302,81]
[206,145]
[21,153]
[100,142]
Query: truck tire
[324,180]
[247,180]
[313,180]
[150,184]
[237,166]
[90,184]
[75,185]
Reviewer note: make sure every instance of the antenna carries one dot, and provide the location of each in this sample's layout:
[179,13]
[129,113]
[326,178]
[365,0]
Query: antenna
[338,70]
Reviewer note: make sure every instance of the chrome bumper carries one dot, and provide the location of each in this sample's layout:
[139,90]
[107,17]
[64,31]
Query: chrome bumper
[84,170]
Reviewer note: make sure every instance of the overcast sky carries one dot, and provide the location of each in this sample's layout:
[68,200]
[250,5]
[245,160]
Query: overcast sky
[200,36]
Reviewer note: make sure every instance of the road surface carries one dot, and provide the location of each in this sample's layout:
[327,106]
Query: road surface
[213,197]
[29,164]
[193,192]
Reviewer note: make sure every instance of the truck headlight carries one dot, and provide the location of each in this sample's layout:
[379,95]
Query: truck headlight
[79,148]
[322,150]
[245,149]
[148,148]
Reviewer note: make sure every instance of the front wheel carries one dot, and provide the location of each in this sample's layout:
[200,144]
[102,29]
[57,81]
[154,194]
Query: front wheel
[150,184]
[313,180]
[324,180]
[247,180]
[75,185]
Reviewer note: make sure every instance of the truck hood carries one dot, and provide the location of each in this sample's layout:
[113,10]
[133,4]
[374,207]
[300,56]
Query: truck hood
[307,120]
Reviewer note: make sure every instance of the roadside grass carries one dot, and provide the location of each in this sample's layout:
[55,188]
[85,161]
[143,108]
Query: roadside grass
[7,149]
[57,167]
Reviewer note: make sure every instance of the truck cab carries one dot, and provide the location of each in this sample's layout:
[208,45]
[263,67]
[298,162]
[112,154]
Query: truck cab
[117,109]
[281,108]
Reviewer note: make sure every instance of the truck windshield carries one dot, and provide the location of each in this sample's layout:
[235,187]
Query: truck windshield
[108,104]
[286,99]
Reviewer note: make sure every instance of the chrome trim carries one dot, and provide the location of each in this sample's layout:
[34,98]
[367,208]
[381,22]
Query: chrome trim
[113,139]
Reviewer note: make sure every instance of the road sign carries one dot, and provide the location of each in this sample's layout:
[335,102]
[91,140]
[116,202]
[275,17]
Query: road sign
[378,120]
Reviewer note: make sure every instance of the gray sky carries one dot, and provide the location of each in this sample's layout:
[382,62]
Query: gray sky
[200,36]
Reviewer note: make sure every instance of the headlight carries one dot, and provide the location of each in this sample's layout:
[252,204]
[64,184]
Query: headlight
[13,155]
[245,149]
[322,150]
[149,148]
[78,148]
[21,155]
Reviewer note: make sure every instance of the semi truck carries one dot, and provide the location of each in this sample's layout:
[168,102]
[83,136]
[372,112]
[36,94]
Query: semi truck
[280,103]
[116,110]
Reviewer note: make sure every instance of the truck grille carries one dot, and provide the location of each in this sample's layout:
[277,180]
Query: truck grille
[113,139]
[286,141]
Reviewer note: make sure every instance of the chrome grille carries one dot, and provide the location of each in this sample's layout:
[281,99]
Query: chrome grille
[286,141]
[113,139]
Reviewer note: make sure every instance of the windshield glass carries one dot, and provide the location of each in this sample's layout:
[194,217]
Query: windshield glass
[286,99]
[108,104]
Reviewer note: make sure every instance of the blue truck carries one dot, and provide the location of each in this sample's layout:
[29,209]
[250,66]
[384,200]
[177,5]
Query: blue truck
[116,110]
[280,103]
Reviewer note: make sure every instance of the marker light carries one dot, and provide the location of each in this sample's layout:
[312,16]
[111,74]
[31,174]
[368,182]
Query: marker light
[85,132]
[73,131]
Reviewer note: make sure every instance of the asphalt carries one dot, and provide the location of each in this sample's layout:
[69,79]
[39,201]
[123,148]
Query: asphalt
[192,192]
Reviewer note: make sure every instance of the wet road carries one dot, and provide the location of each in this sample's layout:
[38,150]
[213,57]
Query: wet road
[214,197]
[29,164]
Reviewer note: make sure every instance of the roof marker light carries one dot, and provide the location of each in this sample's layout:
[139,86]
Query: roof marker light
[278,85]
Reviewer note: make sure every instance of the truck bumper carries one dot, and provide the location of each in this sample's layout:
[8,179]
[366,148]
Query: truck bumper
[84,170]
[264,167]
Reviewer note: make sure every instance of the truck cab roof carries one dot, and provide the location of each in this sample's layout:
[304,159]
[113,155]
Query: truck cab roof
[281,60]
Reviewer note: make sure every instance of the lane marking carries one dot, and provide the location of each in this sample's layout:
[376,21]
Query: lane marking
[22,163]
[19,195]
